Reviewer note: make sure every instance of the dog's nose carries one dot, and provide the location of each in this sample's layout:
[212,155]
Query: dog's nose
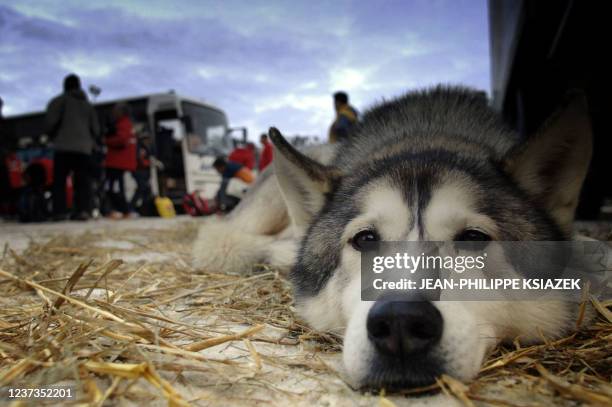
[402,328]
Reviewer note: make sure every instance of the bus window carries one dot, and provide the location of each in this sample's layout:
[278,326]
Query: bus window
[208,132]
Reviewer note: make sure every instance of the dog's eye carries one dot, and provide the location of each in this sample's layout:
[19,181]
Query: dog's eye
[474,240]
[361,239]
[472,235]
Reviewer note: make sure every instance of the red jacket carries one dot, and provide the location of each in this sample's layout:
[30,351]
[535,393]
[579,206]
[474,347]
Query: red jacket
[244,156]
[266,156]
[121,152]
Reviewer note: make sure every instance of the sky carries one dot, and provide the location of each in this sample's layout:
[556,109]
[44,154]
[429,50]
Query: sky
[263,62]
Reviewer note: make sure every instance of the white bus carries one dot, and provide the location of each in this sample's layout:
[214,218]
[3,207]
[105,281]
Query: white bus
[187,135]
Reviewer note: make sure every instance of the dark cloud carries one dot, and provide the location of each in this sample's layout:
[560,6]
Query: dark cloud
[264,63]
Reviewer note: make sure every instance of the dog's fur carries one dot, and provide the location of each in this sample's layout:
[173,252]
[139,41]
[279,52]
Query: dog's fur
[425,166]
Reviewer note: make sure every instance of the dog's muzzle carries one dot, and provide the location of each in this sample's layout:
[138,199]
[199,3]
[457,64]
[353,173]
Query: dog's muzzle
[404,335]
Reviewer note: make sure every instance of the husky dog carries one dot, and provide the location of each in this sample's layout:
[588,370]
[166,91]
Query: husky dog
[436,165]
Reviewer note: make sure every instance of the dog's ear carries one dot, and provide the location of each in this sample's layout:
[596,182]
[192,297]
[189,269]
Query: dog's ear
[552,165]
[302,180]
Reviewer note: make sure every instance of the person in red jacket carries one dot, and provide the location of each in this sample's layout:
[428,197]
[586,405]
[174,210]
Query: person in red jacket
[120,157]
[266,152]
[244,155]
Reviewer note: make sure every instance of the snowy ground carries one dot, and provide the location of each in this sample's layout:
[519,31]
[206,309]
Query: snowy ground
[303,374]
[285,374]
[18,235]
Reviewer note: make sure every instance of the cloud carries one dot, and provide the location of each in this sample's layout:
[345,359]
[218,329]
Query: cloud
[263,62]
[93,66]
[348,78]
[298,102]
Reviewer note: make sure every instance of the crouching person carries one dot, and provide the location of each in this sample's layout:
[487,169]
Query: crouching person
[235,180]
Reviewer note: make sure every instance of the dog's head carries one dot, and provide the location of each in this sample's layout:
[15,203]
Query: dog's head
[430,193]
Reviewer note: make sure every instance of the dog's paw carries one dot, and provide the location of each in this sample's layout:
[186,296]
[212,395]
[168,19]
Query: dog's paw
[223,248]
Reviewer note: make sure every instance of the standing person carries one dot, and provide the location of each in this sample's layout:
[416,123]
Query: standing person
[142,174]
[120,157]
[71,122]
[243,154]
[346,119]
[267,153]
[5,185]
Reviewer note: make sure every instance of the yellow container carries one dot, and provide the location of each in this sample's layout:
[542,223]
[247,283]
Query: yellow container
[164,207]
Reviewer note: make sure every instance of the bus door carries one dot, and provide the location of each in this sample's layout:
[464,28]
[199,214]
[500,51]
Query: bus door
[169,140]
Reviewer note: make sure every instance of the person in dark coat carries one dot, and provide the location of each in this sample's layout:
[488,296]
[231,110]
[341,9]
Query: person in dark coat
[72,123]
[120,157]
[142,174]
[346,119]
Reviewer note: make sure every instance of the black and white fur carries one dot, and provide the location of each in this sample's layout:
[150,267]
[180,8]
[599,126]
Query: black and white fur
[426,166]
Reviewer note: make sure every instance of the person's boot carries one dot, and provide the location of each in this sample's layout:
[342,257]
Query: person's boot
[60,217]
[81,216]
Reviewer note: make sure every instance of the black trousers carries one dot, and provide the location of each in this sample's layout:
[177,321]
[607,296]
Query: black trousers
[226,201]
[79,165]
[143,188]
[115,189]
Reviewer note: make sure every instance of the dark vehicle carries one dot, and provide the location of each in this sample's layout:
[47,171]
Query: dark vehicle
[540,51]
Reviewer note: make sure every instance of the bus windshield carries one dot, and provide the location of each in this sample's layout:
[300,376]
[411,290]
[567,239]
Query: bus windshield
[207,135]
